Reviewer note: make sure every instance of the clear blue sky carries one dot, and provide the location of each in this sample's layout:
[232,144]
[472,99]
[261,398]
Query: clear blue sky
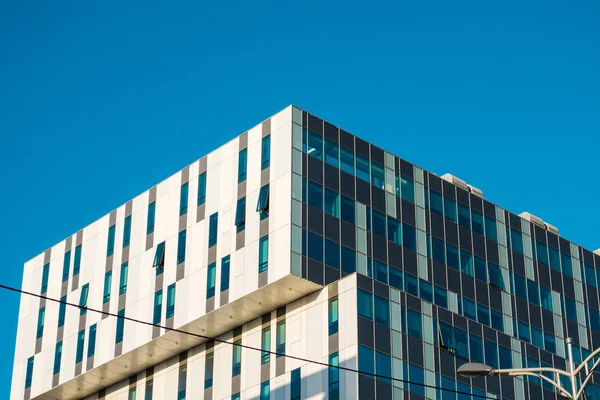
[101,100]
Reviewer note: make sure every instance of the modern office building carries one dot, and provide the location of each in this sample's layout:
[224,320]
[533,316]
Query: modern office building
[296,246]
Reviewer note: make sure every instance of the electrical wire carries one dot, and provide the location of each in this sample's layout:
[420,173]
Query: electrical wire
[376,376]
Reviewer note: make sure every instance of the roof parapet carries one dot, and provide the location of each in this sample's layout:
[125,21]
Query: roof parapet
[539,222]
[462,184]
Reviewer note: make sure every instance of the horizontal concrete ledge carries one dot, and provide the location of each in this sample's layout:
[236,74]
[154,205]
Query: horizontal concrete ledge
[215,323]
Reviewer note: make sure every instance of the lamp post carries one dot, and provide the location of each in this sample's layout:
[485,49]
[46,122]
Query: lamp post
[471,370]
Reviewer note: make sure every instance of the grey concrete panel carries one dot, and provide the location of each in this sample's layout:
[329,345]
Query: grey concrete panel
[224,297]
[265,371]
[243,143]
[241,190]
[118,349]
[264,227]
[152,195]
[236,383]
[38,345]
[202,165]
[169,323]
[112,218]
[266,127]
[210,304]
[149,241]
[79,238]
[263,278]
[109,263]
[55,379]
[68,244]
[75,283]
[122,300]
[105,309]
[128,208]
[212,254]
[185,175]
[125,255]
[208,394]
[264,176]
[78,367]
[240,240]
[183,222]
[89,363]
[47,256]
[180,271]
[334,343]
[200,212]
[279,366]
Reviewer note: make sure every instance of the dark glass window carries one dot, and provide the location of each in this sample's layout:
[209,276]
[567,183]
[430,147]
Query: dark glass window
[567,266]
[242,165]
[439,253]
[315,195]
[183,199]
[378,222]
[263,254]
[347,160]
[542,253]
[476,345]
[236,359]
[520,286]
[497,320]
[332,203]
[62,309]
[450,209]
[77,259]
[29,372]
[440,297]
[202,188]
[381,271]
[394,230]
[40,322]
[396,279]
[377,175]
[67,263]
[516,240]
[332,254]
[123,277]
[57,357]
[333,315]
[477,221]
[533,292]
[224,273]
[435,202]
[554,259]
[545,298]
[348,209]
[280,338]
[366,360]
[79,349]
[120,326]
[159,257]
[92,341]
[334,377]
[296,385]
[490,228]
[213,229]
[409,237]
[332,156]
[464,216]
[411,284]
[426,290]
[266,345]
[110,248]
[315,145]
[208,370]
[170,301]
[413,323]
[491,353]
[263,202]
[211,276]
[383,365]
[483,315]
[240,215]
[496,278]
[382,311]
[150,218]
[181,241]
[265,160]
[365,304]
[452,258]
[407,187]
[362,168]
[83,298]
[157,314]
[469,309]
[315,247]
[481,269]
[45,274]
[348,260]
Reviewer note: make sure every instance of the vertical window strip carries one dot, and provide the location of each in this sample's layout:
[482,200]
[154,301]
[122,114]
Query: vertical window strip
[266,152]
[240,215]
[334,377]
[83,299]
[127,231]
[225,271]
[202,188]
[120,326]
[213,229]
[263,254]
[62,308]
[124,277]
[170,301]
[107,286]
[110,248]
[45,274]
[183,199]
[80,344]
[181,243]
[151,218]
[208,370]
[265,390]
[242,165]
[29,373]
[266,345]
[40,323]
[57,357]
[296,385]
[182,383]
[66,266]
[77,260]
[237,358]
[333,315]
[157,307]
[211,275]
[92,341]
[280,339]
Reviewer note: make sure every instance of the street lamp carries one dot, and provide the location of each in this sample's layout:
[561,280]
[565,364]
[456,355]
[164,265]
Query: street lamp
[471,370]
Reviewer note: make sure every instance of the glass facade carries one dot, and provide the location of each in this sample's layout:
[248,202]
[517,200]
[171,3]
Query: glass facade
[445,276]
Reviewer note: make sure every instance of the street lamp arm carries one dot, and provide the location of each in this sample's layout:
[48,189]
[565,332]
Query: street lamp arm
[521,371]
[553,383]
[587,359]
[588,377]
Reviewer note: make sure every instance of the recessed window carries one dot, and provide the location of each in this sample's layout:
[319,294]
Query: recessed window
[263,202]
[377,175]
[77,260]
[107,286]
[332,156]
[170,301]
[151,217]
[120,326]
[208,370]
[280,339]
[202,188]
[211,276]
[57,357]
[265,159]
[123,278]
[183,199]
[242,165]
[315,195]
[127,231]
[332,203]
[181,244]
[334,377]
[213,229]
[79,349]
[40,322]
[83,299]
[237,358]
[225,271]
[315,145]
[110,248]
[365,304]
[29,373]
[263,254]
[92,341]
[66,266]
[158,298]
[347,160]
[265,391]
[362,168]
[240,215]
[296,385]
[45,274]
[266,345]
[333,315]
[62,309]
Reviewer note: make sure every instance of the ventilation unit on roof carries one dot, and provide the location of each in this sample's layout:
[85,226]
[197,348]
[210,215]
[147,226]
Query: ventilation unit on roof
[456,181]
[539,222]
[532,218]
[552,228]
[597,252]
[475,191]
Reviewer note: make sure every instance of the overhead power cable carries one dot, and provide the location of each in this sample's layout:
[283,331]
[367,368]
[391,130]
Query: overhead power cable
[342,368]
